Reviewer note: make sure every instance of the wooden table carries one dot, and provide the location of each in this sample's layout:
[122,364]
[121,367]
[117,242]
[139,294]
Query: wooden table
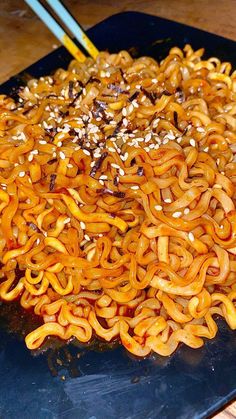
[24,38]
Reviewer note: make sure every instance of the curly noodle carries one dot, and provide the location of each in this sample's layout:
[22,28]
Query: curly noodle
[117,200]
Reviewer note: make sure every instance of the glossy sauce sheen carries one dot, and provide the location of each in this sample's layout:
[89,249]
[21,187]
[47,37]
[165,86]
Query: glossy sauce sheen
[118,200]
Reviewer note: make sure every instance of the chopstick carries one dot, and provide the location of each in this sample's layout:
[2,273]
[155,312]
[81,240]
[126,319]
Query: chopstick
[73,26]
[56,29]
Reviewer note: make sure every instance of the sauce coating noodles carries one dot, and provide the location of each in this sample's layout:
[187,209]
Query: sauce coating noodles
[117,200]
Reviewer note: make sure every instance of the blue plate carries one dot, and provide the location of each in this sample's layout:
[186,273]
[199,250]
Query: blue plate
[72,382]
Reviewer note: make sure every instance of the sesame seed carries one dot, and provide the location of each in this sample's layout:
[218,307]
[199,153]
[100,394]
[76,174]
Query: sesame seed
[135,187]
[59,144]
[103,177]
[67,220]
[45,125]
[101,182]
[167,200]
[86,152]
[192,142]
[200,129]
[82,225]
[30,157]
[186,211]
[87,237]
[66,128]
[148,137]
[21,174]
[124,112]
[34,152]
[62,155]
[37,241]
[131,108]
[121,171]
[112,149]
[42,142]
[115,166]
[206,149]
[125,122]
[70,166]
[126,155]
[177,214]
[93,129]
[158,207]
[135,104]
[155,123]
[191,236]
[170,136]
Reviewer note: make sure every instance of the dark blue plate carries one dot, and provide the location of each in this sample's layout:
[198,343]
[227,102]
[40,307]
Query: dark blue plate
[109,384]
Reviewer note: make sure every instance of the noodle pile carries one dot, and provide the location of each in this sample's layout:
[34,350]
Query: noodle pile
[117,200]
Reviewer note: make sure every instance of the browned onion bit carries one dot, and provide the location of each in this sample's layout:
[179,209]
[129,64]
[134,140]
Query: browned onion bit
[180,96]
[70,90]
[152,96]
[52,181]
[52,161]
[140,171]
[33,226]
[98,164]
[117,194]
[176,119]
[133,97]
[116,180]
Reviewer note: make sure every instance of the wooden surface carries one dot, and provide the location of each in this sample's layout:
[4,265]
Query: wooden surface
[24,38]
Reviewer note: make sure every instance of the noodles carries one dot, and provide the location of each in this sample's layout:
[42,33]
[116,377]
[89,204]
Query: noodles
[117,200]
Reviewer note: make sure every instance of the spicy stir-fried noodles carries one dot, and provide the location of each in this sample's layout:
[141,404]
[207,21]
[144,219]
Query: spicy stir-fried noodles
[117,200]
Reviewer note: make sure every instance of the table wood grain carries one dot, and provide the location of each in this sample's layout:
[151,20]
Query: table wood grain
[24,39]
